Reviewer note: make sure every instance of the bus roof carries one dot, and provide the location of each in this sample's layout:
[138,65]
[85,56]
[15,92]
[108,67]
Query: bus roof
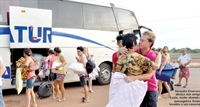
[107,4]
[92,2]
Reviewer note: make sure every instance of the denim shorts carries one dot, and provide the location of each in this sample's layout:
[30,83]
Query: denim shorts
[30,82]
[2,104]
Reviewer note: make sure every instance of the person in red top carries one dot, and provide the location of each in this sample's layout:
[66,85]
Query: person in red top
[115,55]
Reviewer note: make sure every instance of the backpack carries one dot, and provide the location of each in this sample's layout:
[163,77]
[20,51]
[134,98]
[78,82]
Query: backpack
[89,66]
[35,65]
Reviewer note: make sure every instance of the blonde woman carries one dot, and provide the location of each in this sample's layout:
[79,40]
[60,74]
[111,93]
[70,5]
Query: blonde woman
[88,56]
[165,48]
[165,60]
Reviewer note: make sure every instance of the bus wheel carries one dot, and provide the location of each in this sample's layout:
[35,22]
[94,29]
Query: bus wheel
[104,74]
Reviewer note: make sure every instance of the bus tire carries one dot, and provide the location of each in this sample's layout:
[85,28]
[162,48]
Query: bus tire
[104,74]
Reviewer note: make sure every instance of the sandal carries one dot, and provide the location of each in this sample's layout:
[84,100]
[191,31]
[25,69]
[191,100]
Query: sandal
[185,86]
[84,101]
[59,100]
[91,91]
[34,106]
[177,85]
[55,98]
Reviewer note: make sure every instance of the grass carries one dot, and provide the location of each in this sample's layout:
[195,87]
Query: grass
[193,55]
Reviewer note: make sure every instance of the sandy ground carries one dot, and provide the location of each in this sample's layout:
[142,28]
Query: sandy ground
[99,98]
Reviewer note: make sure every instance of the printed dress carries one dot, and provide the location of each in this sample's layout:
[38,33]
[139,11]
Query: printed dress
[123,94]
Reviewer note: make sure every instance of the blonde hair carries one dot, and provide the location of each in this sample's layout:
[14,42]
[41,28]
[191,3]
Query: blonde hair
[88,55]
[151,38]
[85,48]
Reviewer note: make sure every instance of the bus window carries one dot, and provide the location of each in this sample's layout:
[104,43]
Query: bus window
[54,6]
[126,19]
[70,14]
[99,18]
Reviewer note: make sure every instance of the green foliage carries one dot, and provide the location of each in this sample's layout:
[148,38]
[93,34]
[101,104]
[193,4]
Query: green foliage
[189,50]
[174,53]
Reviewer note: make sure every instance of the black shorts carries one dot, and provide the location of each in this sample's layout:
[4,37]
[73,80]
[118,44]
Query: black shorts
[83,80]
[150,99]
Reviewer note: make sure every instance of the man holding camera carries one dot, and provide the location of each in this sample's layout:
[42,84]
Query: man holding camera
[184,61]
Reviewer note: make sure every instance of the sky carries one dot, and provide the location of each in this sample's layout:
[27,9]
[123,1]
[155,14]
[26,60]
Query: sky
[176,23]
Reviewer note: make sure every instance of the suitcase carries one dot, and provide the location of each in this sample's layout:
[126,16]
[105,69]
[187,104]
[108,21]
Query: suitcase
[166,73]
[165,76]
[44,90]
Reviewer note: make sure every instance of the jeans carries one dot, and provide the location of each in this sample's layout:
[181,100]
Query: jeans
[2,104]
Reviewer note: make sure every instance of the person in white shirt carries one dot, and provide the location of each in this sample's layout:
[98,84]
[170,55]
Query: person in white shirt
[2,70]
[184,61]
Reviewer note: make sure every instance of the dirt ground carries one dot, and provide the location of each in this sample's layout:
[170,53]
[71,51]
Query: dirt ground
[100,96]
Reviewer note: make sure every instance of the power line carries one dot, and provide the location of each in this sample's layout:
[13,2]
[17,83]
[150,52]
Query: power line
[171,19]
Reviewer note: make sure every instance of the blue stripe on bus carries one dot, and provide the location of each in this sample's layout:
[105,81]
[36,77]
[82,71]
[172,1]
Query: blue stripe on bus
[6,30]
[55,33]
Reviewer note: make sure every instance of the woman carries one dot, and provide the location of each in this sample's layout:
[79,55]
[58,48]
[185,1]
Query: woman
[123,94]
[85,51]
[30,77]
[83,77]
[50,59]
[59,81]
[165,60]
[165,48]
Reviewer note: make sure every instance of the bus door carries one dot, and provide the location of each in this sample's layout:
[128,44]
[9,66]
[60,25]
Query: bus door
[30,27]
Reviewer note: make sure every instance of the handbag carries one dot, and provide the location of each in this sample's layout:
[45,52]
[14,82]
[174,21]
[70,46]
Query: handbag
[90,66]
[35,66]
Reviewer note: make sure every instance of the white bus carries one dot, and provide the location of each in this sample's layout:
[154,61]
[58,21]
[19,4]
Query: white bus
[64,23]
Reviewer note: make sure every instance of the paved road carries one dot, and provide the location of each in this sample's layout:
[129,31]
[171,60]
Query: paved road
[100,96]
